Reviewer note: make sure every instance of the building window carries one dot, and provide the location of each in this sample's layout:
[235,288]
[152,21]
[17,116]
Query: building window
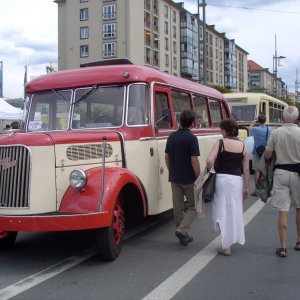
[174,16]
[84,50]
[166,11]
[166,28]
[84,32]
[109,30]
[109,49]
[84,14]
[109,11]
[174,47]
[174,32]
[175,63]
[82,1]
[166,60]
[166,43]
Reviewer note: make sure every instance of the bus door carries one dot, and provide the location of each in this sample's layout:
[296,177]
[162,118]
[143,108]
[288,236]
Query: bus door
[164,125]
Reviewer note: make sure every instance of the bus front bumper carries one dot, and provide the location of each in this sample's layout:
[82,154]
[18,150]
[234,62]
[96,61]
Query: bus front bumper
[55,222]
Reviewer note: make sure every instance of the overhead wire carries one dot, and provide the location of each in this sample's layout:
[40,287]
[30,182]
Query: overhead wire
[252,8]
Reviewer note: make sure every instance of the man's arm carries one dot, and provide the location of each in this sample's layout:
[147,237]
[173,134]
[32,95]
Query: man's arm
[167,160]
[268,154]
[196,165]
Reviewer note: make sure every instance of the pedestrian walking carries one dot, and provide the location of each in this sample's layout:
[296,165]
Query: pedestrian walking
[285,143]
[231,186]
[260,133]
[181,157]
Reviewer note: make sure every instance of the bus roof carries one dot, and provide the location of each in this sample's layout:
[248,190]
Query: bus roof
[116,74]
[252,98]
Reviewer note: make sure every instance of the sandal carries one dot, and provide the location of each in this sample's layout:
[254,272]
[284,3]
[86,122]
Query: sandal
[281,252]
[297,247]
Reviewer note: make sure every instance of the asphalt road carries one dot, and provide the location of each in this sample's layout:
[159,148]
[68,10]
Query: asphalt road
[153,265]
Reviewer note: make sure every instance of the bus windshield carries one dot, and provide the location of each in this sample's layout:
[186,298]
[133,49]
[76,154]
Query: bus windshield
[96,107]
[244,113]
[49,111]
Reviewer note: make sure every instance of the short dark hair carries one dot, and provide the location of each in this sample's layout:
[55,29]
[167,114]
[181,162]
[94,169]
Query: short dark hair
[230,126]
[15,125]
[187,118]
[261,118]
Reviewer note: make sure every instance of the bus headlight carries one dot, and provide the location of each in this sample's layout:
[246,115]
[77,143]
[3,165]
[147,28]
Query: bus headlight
[78,179]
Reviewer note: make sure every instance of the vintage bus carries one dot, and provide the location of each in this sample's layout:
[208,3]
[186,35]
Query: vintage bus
[90,153]
[245,107]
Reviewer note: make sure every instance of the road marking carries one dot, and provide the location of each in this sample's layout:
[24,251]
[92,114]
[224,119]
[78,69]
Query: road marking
[172,285]
[165,290]
[35,279]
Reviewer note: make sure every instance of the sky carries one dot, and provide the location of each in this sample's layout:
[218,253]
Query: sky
[28,35]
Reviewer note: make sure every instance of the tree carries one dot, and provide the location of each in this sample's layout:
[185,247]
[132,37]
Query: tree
[220,88]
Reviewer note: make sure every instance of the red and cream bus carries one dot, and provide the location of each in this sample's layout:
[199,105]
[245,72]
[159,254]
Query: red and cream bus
[90,154]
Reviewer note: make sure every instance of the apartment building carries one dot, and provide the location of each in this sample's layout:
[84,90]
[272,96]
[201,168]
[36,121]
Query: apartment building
[260,79]
[242,69]
[156,33]
[147,32]
[214,55]
[189,45]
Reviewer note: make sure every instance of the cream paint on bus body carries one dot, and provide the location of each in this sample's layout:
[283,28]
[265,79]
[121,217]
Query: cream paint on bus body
[42,183]
[66,166]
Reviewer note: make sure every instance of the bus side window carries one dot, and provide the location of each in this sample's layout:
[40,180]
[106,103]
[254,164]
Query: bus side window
[161,108]
[200,105]
[181,101]
[215,112]
[224,111]
[138,105]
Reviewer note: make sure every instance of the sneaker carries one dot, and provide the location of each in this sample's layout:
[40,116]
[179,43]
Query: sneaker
[183,239]
[225,252]
[297,247]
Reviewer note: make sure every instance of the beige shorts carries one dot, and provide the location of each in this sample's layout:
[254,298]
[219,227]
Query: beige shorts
[286,191]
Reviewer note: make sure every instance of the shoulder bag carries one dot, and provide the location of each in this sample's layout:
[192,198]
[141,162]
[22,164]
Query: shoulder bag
[209,185]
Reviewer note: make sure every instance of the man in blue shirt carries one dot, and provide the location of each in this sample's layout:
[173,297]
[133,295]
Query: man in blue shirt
[260,133]
[181,156]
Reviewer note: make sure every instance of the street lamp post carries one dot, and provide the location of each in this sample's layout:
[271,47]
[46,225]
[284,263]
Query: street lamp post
[204,78]
[276,63]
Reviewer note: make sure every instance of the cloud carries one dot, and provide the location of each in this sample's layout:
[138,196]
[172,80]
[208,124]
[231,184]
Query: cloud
[254,30]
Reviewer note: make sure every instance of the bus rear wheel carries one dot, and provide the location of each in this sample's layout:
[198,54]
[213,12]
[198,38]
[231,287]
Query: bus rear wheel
[7,239]
[109,240]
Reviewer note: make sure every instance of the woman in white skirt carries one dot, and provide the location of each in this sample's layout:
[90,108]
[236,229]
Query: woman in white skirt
[232,186]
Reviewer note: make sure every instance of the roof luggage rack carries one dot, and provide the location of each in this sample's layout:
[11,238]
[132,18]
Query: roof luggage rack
[107,62]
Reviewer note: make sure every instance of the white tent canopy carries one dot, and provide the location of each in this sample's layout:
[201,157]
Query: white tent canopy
[9,112]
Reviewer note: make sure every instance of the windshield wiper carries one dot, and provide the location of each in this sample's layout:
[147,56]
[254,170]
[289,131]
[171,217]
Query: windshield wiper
[92,90]
[59,95]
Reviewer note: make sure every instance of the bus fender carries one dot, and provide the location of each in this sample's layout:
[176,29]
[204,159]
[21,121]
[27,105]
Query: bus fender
[88,199]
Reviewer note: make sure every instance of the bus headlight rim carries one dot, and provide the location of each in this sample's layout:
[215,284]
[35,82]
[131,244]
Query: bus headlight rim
[78,179]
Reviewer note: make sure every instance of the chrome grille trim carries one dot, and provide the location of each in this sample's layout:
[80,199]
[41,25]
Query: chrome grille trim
[89,151]
[15,166]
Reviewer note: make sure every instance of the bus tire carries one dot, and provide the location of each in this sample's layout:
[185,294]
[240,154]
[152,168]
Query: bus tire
[8,241]
[109,239]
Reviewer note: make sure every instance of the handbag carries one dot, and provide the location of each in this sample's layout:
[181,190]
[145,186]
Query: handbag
[209,185]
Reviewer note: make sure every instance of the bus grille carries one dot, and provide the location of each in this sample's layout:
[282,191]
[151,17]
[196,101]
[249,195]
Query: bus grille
[85,152]
[14,177]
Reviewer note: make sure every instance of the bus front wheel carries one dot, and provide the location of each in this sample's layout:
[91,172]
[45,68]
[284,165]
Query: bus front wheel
[109,240]
[7,239]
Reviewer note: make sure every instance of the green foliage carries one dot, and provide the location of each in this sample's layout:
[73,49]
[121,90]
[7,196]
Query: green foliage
[220,88]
